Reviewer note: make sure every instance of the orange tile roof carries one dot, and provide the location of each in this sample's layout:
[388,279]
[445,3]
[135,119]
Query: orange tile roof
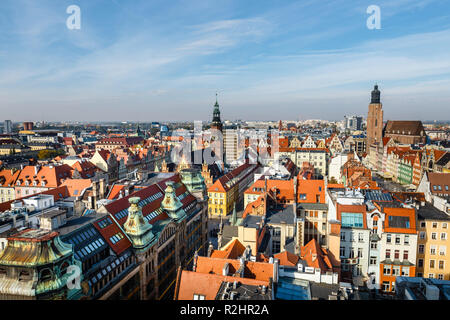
[254,270]
[115,191]
[191,283]
[86,168]
[76,186]
[316,257]
[53,176]
[335,186]
[400,212]
[8,177]
[287,258]
[233,250]
[252,205]
[285,188]
[312,189]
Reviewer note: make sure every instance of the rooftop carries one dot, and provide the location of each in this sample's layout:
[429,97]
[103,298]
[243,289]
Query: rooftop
[430,212]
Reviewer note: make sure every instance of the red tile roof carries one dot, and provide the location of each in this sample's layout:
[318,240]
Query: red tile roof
[287,258]
[316,257]
[233,250]
[208,285]
[314,190]
[253,270]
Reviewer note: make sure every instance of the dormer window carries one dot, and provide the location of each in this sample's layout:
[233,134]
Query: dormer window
[46,275]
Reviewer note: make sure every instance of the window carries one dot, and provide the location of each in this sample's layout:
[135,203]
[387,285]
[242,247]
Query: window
[440,276]
[442,250]
[443,236]
[420,263]
[360,252]
[405,271]
[405,255]
[342,236]
[385,286]
[422,224]
[434,224]
[444,225]
[350,219]
[388,253]
[342,251]
[373,261]
[396,271]
[441,264]
[422,235]
[421,248]
[387,270]
[360,237]
[352,253]
[375,223]
[433,236]
[199,297]
[432,264]
[397,254]
[419,274]
[46,275]
[406,240]
[431,275]
[397,239]
[432,249]
[388,238]
[24,276]
[373,245]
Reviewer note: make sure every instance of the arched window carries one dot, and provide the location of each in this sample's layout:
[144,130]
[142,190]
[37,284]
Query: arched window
[46,274]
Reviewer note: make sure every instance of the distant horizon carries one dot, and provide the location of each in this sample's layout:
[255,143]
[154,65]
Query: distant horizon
[207,121]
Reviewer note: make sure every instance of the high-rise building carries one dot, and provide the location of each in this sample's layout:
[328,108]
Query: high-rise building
[374,119]
[231,144]
[353,123]
[7,128]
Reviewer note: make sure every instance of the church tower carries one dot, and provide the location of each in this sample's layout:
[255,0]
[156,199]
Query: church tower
[216,122]
[374,119]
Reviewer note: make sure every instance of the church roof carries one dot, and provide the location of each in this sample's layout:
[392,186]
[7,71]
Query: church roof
[412,128]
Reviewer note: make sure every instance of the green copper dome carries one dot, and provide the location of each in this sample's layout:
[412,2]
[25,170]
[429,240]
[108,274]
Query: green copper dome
[171,203]
[136,227]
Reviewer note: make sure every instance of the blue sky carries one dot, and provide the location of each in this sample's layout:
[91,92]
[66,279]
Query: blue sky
[164,60]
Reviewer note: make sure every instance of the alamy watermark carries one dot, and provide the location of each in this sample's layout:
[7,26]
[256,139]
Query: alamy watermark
[214,146]
[74,280]
[73,22]
[374,20]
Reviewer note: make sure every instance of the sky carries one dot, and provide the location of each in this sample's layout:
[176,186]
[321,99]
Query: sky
[159,60]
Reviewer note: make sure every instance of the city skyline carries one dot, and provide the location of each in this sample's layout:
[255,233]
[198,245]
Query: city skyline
[151,61]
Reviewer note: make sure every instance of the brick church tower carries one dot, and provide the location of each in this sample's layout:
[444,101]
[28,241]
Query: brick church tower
[374,119]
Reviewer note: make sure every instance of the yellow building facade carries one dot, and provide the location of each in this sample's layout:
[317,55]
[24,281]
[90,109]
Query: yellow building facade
[433,241]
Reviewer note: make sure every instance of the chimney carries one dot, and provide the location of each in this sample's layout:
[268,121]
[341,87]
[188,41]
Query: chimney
[194,265]
[210,249]
[225,269]
[275,271]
